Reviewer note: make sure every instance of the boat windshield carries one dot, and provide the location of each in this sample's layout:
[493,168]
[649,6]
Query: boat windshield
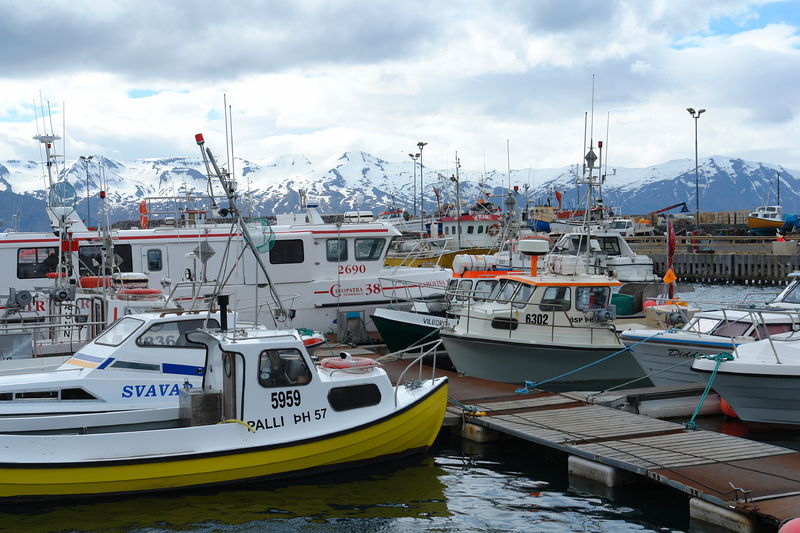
[507,291]
[119,332]
[791,295]
[701,325]
[619,224]
[483,288]
[732,329]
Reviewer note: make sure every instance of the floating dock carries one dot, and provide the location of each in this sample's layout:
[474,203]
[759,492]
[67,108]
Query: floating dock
[734,483]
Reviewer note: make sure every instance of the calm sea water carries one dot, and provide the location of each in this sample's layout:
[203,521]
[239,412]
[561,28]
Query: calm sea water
[458,486]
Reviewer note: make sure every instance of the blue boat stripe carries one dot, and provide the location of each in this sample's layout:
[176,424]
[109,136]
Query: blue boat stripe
[88,358]
[106,363]
[186,370]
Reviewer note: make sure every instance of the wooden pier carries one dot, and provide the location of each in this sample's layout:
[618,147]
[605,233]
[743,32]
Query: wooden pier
[748,269]
[741,484]
[735,259]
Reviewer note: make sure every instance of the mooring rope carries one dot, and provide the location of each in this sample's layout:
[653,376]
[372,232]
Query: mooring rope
[719,358]
[528,385]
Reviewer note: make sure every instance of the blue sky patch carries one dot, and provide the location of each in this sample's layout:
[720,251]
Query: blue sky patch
[786,12]
[141,93]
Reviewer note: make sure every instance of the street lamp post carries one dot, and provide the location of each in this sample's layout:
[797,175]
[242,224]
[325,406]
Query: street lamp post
[414,164]
[455,179]
[86,159]
[421,145]
[695,116]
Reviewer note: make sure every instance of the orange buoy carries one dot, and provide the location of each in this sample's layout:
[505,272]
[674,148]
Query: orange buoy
[728,411]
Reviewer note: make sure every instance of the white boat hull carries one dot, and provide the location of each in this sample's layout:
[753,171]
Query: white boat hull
[511,361]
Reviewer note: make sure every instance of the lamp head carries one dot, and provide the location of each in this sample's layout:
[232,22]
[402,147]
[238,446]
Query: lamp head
[420,145]
[690,110]
[701,111]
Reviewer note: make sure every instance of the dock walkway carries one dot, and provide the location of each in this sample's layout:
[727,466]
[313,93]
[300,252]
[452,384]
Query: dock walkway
[758,482]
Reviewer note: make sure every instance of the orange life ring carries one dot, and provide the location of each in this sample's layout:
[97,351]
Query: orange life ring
[139,292]
[493,230]
[339,363]
[93,282]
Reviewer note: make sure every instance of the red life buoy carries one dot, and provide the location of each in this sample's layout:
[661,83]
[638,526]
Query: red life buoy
[494,229]
[353,362]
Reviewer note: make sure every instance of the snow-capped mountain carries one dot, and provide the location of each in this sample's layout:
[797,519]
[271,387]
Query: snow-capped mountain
[358,180]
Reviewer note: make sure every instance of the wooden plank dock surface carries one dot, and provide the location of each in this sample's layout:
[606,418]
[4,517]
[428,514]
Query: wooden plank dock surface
[758,480]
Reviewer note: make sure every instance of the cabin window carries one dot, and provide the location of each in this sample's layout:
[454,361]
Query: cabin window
[173,334]
[286,252]
[483,288]
[154,260]
[36,262]
[447,230]
[522,295]
[90,260]
[470,229]
[347,398]
[336,249]
[369,249]
[507,293]
[556,299]
[119,332]
[452,286]
[609,245]
[791,296]
[480,229]
[591,297]
[283,368]
[732,329]
[496,289]
[463,289]
[763,331]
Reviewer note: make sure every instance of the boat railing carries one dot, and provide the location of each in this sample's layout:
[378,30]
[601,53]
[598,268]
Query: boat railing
[762,331]
[427,248]
[427,349]
[69,331]
[201,295]
[411,292]
[538,319]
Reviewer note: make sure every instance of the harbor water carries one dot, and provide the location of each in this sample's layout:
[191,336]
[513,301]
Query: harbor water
[457,486]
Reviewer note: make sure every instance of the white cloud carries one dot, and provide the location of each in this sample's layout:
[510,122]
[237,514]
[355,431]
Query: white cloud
[315,78]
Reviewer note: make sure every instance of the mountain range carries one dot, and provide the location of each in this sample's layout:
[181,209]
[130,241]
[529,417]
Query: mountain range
[359,180]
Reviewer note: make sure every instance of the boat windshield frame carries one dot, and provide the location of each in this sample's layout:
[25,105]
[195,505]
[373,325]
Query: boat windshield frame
[119,332]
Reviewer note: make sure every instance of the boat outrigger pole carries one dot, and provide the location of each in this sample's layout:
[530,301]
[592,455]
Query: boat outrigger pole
[229,188]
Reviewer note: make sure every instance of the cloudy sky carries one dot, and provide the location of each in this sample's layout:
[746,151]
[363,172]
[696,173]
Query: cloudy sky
[139,79]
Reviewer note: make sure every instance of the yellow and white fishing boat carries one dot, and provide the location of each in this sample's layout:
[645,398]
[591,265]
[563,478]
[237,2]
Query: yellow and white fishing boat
[265,409]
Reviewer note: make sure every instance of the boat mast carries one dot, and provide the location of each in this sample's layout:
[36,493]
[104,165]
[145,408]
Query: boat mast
[229,187]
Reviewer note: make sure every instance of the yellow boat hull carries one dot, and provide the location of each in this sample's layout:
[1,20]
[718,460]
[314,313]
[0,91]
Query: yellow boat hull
[761,223]
[444,260]
[410,430]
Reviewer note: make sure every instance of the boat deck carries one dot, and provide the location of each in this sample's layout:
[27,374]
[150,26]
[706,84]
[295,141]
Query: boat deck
[759,480]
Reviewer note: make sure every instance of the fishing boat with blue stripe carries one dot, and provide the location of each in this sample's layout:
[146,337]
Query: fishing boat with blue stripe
[262,409]
[140,363]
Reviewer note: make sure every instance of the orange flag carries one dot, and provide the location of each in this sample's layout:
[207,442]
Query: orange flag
[670,276]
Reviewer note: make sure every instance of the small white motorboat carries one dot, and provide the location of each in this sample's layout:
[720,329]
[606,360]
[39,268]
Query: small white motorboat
[762,383]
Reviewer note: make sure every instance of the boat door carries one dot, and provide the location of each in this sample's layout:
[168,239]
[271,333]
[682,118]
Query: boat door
[230,377]
[155,261]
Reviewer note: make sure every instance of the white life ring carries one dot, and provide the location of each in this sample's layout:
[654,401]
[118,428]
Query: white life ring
[494,229]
